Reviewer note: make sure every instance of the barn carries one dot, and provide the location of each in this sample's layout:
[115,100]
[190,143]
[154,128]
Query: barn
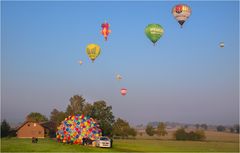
[30,129]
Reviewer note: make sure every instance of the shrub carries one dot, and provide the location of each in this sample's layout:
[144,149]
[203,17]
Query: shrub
[181,134]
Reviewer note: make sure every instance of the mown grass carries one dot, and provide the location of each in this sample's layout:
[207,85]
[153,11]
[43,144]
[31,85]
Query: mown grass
[49,145]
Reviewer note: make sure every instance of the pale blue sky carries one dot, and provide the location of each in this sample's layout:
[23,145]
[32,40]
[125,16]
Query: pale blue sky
[186,77]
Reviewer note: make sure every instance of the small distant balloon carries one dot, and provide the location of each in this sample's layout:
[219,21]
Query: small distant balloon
[123,91]
[221,44]
[119,77]
[80,62]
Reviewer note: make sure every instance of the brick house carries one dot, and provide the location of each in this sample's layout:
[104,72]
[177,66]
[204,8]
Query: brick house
[30,129]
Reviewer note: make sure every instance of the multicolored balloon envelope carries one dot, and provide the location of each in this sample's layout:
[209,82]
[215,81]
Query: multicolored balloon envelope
[74,128]
[93,51]
[181,12]
[105,30]
[154,32]
[123,91]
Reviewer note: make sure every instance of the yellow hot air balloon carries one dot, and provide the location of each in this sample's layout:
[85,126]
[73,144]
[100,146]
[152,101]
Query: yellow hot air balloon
[93,51]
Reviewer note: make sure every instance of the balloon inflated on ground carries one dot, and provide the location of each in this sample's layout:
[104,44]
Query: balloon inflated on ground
[181,12]
[154,32]
[93,51]
[74,128]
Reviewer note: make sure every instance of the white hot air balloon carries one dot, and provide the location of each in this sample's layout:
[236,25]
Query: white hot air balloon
[221,44]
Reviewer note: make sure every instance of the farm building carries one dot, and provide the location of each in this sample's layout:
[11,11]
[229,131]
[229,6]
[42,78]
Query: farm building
[30,129]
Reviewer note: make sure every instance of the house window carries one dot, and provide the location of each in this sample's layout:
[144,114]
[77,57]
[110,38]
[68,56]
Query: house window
[39,132]
[28,124]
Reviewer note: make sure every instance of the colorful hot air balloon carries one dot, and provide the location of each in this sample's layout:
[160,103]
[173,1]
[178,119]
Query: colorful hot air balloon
[105,30]
[181,12]
[221,44]
[93,51]
[123,91]
[154,32]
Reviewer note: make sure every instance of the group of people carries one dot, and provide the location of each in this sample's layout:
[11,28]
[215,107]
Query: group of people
[34,140]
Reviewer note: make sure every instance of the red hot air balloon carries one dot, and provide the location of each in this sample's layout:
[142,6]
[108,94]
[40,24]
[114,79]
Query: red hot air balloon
[105,30]
[123,91]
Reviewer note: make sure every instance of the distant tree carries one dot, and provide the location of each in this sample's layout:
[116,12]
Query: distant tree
[132,132]
[200,135]
[185,126]
[121,128]
[232,130]
[204,126]
[221,128]
[161,129]
[36,117]
[150,130]
[76,105]
[197,126]
[181,134]
[5,128]
[236,127]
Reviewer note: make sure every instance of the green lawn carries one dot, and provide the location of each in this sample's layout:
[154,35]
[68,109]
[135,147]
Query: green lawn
[49,145]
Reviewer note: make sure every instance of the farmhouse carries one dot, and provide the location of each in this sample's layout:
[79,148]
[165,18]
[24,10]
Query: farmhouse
[31,129]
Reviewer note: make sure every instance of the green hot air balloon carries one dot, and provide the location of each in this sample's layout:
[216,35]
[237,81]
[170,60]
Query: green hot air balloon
[154,32]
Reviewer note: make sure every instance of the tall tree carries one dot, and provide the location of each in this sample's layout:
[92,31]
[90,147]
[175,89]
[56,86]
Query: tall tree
[103,114]
[149,130]
[36,117]
[5,128]
[57,117]
[161,129]
[76,105]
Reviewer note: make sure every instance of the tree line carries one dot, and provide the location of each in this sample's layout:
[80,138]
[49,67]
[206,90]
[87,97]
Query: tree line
[98,110]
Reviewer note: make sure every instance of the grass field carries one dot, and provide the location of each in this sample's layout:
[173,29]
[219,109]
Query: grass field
[138,145]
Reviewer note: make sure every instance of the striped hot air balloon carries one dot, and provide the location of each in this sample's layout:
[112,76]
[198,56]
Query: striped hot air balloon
[123,91]
[181,12]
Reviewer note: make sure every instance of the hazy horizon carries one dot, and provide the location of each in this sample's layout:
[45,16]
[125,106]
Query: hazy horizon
[186,77]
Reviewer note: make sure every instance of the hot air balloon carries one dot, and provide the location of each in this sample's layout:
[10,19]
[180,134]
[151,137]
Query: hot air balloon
[221,44]
[181,12]
[119,77]
[154,32]
[80,62]
[105,30]
[93,51]
[123,91]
